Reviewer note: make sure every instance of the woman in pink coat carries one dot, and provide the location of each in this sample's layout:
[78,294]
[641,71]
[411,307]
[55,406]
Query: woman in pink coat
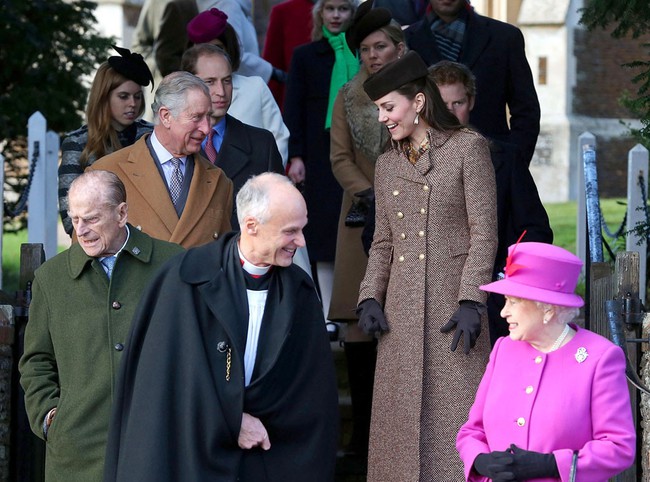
[553,402]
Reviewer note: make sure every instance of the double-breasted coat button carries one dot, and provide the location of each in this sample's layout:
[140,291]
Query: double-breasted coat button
[521,421]
[116,305]
[215,235]
[423,211]
[425,187]
[395,192]
[538,360]
[119,347]
[400,214]
[400,259]
[529,390]
[421,257]
[421,234]
[402,236]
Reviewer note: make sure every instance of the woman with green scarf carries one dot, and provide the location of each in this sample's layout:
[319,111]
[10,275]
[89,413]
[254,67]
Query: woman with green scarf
[318,70]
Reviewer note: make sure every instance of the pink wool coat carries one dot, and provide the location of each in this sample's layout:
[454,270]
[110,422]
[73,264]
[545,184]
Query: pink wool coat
[554,403]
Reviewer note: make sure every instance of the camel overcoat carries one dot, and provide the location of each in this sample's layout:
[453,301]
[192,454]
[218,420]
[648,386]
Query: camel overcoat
[356,141]
[207,211]
[434,244]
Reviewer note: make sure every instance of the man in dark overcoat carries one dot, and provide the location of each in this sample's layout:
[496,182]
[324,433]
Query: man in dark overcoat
[520,211]
[80,315]
[507,108]
[229,374]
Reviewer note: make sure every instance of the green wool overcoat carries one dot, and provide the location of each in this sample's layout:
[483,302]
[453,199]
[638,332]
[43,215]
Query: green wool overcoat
[78,325]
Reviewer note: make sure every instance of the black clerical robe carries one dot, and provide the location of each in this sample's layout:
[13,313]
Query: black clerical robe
[180,395]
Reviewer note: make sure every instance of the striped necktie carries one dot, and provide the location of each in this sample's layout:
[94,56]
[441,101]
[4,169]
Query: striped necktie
[176,181]
[210,151]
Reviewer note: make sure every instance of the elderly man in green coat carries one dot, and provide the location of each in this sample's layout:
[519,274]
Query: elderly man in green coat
[80,315]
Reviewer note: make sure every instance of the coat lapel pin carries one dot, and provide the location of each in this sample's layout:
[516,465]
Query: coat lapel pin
[581,354]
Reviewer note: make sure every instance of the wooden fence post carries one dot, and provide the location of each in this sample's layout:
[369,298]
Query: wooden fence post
[637,172]
[28,459]
[626,285]
[43,199]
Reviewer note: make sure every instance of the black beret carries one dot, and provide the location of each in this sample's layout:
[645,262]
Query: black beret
[366,21]
[395,74]
[132,66]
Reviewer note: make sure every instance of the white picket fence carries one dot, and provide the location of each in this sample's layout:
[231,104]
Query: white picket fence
[637,168]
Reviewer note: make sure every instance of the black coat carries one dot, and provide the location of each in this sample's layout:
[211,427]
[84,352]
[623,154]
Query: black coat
[245,152]
[494,51]
[305,109]
[519,209]
[177,417]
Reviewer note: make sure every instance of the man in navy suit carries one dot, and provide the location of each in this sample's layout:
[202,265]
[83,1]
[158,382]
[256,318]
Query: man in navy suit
[494,51]
[239,149]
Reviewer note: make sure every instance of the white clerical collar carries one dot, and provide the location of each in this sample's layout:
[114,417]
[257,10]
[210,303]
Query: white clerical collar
[250,268]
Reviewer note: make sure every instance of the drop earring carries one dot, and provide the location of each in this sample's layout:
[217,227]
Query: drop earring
[417,118]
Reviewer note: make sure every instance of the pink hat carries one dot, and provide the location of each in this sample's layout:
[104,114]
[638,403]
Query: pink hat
[540,272]
[207,26]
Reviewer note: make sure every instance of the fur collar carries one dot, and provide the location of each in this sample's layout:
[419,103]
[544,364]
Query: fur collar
[368,135]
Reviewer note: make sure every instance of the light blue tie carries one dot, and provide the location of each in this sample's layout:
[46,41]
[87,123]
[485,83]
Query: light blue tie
[109,263]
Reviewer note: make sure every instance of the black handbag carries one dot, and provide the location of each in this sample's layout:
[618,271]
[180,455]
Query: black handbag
[356,216]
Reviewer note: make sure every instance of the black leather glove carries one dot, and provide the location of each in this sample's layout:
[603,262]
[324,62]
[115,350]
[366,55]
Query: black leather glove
[371,317]
[495,466]
[532,465]
[467,321]
[279,75]
[365,199]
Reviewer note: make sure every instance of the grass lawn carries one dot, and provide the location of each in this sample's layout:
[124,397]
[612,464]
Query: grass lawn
[563,217]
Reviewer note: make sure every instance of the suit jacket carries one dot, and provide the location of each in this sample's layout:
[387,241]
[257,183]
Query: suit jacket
[245,152]
[181,392]
[207,210]
[554,403]
[78,327]
[253,104]
[495,53]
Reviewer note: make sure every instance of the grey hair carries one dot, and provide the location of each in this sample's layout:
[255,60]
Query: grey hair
[109,185]
[253,199]
[563,314]
[172,93]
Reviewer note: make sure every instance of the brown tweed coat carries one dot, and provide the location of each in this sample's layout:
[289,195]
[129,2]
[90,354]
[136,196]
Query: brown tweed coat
[356,140]
[434,244]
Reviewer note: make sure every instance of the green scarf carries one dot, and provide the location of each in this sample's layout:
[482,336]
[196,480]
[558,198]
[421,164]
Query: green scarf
[346,65]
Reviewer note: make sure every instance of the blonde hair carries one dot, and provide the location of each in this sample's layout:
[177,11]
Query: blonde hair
[102,137]
[317,17]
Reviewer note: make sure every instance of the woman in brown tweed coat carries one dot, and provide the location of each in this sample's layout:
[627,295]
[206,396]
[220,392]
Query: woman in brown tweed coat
[357,140]
[434,244]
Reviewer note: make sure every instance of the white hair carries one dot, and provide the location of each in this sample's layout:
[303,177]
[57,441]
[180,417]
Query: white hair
[563,314]
[253,198]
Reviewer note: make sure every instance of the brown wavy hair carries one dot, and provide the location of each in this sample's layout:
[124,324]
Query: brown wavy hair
[102,137]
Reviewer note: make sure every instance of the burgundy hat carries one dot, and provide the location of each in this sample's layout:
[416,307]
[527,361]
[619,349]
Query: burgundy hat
[366,21]
[207,26]
[540,272]
[132,66]
[395,74]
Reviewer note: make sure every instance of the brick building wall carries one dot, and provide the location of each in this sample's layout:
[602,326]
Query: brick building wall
[601,81]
